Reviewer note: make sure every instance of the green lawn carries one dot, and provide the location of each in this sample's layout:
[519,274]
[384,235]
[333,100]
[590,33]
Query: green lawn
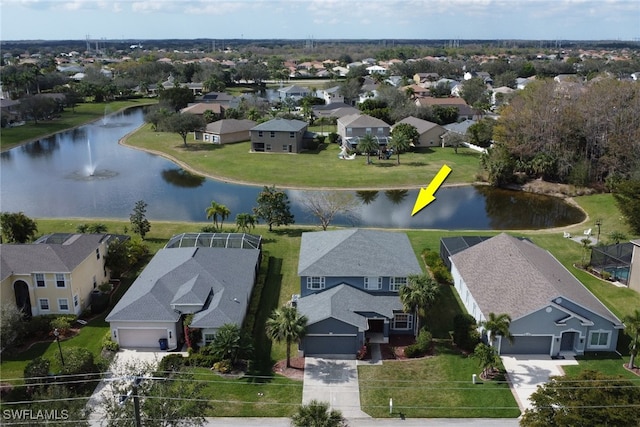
[433,387]
[322,168]
[83,113]
[249,396]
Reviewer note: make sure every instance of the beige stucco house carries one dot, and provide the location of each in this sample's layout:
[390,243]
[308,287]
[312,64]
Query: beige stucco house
[226,131]
[54,275]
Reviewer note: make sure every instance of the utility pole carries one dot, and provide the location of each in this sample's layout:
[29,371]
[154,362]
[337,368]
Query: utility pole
[136,402]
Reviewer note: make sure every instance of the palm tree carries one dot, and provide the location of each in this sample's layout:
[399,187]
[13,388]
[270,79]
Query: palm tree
[317,414]
[367,144]
[487,357]
[229,343]
[286,324]
[215,211]
[224,213]
[418,295]
[399,143]
[497,324]
[246,221]
[632,325]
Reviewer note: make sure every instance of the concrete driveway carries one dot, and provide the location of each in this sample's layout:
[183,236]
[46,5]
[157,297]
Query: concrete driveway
[527,371]
[334,381]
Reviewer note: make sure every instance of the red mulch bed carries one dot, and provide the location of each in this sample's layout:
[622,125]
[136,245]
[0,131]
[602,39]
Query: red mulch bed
[635,369]
[296,371]
[395,348]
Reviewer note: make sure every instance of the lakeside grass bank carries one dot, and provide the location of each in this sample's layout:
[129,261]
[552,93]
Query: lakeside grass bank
[82,114]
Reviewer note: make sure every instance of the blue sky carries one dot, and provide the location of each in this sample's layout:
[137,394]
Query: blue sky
[321,19]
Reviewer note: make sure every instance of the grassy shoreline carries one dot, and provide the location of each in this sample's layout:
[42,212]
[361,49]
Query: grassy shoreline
[84,113]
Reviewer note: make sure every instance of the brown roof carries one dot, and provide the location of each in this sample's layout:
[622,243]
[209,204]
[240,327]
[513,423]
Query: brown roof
[421,126]
[201,107]
[516,277]
[429,100]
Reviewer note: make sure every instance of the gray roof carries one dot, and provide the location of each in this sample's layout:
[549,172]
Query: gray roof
[56,253]
[356,253]
[224,126]
[361,121]
[460,127]
[217,281]
[344,303]
[281,125]
[516,277]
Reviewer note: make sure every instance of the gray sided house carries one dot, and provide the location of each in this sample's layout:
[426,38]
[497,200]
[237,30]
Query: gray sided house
[213,283]
[355,126]
[551,311]
[226,131]
[349,282]
[280,136]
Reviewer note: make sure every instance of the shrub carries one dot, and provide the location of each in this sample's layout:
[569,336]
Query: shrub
[424,340]
[105,287]
[201,360]
[223,366]
[465,335]
[362,353]
[412,351]
[62,324]
[35,370]
[77,360]
[170,363]
[441,274]
[333,138]
[108,343]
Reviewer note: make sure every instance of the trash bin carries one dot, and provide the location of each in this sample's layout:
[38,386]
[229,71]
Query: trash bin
[164,343]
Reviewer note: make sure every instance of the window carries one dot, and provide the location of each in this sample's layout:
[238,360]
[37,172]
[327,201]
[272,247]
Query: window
[60,280]
[268,147]
[44,304]
[285,147]
[396,283]
[208,338]
[273,134]
[599,339]
[349,131]
[63,304]
[259,134]
[292,134]
[40,280]
[402,321]
[368,131]
[373,283]
[97,253]
[75,300]
[380,131]
[315,283]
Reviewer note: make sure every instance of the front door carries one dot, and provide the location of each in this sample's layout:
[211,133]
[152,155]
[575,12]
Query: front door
[568,340]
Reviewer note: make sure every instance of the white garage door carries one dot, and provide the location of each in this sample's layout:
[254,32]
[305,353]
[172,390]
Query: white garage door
[141,338]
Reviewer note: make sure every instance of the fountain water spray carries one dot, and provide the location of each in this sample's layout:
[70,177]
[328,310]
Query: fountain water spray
[91,168]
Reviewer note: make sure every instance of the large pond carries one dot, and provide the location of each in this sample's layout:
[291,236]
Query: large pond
[51,178]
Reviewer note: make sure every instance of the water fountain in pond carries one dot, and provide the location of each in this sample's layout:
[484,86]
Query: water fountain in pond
[91,171]
[107,113]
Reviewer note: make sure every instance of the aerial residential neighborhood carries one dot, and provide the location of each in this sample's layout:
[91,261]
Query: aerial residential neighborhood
[243,231]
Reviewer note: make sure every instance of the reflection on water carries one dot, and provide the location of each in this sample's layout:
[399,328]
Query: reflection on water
[47,179]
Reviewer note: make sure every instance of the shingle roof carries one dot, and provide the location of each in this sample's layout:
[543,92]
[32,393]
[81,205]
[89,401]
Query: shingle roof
[230,126]
[356,253]
[362,121]
[62,257]
[281,125]
[421,126]
[344,302]
[516,277]
[219,280]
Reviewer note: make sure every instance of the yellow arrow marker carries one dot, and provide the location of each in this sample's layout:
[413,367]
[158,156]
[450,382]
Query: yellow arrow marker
[426,195]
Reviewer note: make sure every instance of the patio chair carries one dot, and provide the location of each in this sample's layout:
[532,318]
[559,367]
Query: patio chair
[587,232]
[567,235]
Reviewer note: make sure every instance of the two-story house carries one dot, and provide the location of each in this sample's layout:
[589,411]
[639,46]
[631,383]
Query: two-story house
[54,275]
[354,126]
[349,284]
[280,136]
